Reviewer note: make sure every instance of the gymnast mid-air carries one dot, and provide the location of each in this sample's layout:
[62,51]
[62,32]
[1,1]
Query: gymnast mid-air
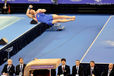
[50,19]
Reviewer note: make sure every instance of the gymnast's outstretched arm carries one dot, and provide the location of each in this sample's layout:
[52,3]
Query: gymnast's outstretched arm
[29,14]
[28,11]
[41,11]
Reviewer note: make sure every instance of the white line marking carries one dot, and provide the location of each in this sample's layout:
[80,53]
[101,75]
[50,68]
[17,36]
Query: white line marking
[17,19]
[95,39]
[20,35]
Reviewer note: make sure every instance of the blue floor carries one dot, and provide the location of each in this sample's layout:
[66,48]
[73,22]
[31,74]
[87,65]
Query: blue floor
[102,50]
[71,43]
[15,29]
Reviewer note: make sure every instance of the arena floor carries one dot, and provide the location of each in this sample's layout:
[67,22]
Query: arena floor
[89,37]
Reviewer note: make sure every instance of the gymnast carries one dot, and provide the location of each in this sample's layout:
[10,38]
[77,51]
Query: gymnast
[50,19]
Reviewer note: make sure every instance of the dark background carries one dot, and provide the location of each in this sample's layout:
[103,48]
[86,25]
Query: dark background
[63,8]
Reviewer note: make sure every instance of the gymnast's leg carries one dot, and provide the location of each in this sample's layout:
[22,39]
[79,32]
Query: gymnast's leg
[62,17]
[61,20]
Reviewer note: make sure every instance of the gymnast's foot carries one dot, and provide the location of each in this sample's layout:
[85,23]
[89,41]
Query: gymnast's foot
[73,17]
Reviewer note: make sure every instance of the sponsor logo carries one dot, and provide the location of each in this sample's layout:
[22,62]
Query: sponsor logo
[98,0]
[9,49]
[34,0]
[76,0]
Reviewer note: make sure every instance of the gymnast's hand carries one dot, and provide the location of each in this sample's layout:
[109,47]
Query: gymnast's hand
[30,6]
